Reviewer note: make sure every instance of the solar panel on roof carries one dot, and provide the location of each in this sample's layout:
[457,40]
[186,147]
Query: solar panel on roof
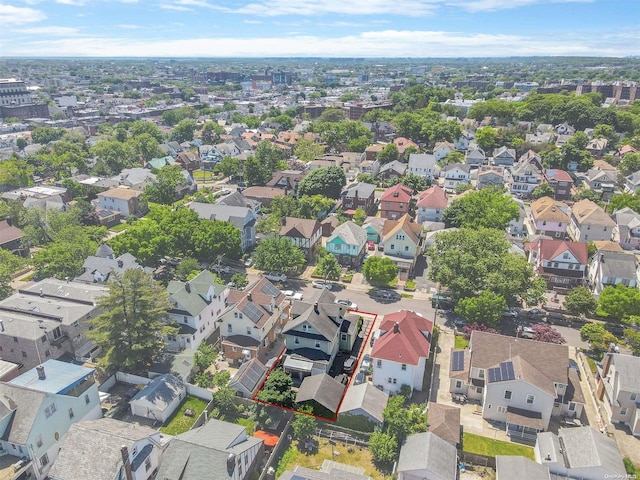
[458,361]
[510,373]
[503,371]
[251,311]
[494,375]
[269,289]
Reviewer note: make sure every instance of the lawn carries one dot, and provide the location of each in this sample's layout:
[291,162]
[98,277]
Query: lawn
[354,456]
[179,422]
[460,342]
[592,364]
[487,446]
[119,227]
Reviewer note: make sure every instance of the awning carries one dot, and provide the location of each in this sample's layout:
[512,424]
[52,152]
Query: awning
[525,418]
[298,365]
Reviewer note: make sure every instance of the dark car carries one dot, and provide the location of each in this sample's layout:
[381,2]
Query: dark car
[385,295]
[441,302]
[617,330]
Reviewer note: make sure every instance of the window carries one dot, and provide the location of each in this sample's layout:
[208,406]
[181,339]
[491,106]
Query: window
[86,399]
[458,384]
[530,399]
[633,397]
[479,390]
[234,349]
[296,340]
[50,410]
[24,354]
[406,248]
[572,407]
[481,373]
[400,237]
[317,344]
[147,464]
[248,331]
[623,411]
[44,339]
[502,409]
[39,441]
[394,381]
[565,256]
[404,366]
[44,460]
[71,414]
[15,339]
[507,394]
[229,328]
[379,363]
[392,247]
[184,319]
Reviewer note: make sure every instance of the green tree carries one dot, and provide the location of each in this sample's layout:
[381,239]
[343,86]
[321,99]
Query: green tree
[113,156]
[388,154]
[629,164]
[304,424]
[580,301]
[454,157]
[163,189]
[204,356]
[224,399]
[543,190]
[415,182]
[44,135]
[379,270]
[185,268]
[277,389]
[239,280]
[623,200]
[133,322]
[359,216]
[486,137]
[228,167]
[9,263]
[211,132]
[597,336]
[16,173]
[608,132]
[486,308]
[395,419]
[329,267]
[308,149]
[327,181]
[632,339]
[366,178]
[145,147]
[21,143]
[384,448]
[184,130]
[214,237]
[619,302]
[278,255]
[144,127]
[488,208]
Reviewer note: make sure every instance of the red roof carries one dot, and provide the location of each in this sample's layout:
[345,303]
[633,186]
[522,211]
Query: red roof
[403,194]
[550,249]
[270,440]
[406,345]
[434,197]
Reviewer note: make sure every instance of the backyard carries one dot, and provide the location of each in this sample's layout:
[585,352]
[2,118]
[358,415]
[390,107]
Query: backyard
[487,446]
[460,342]
[179,422]
[351,455]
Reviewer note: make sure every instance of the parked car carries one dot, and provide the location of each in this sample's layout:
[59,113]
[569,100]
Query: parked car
[291,295]
[384,295]
[366,363]
[442,302]
[321,284]
[360,378]
[556,318]
[220,269]
[275,277]
[248,262]
[371,245]
[348,365]
[348,303]
[527,332]
[460,322]
[225,191]
[509,312]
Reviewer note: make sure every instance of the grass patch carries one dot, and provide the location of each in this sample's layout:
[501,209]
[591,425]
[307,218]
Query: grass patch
[410,285]
[406,295]
[460,342]
[355,456]
[120,227]
[179,422]
[487,446]
[592,365]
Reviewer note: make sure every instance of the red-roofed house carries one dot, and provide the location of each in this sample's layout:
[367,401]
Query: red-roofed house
[431,203]
[561,182]
[395,202]
[563,264]
[404,143]
[400,353]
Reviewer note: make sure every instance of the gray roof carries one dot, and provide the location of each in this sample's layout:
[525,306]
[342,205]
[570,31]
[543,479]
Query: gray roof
[427,451]
[237,199]
[461,166]
[359,190]
[444,421]
[27,404]
[105,266]
[325,320]
[509,467]
[329,471]
[627,368]
[161,391]
[104,251]
[421,160]
[365,397]
[193,297]
[626,219]
[618,264]
[634,178]
[395,166]
[350,233]
[236,215]
[323,389]
[249,376]
[587,447]
[78,459]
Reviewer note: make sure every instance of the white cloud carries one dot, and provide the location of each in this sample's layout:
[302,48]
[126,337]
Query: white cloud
[177,8]
[492,5]
[273,8]
[252,22]
[128,26]
[386,43]
[74,3]
[20,15]
[51,30]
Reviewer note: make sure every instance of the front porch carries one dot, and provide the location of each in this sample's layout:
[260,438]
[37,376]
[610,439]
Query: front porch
[523,425]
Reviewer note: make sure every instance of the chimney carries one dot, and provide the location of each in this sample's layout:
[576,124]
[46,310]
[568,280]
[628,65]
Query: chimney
[249,296]
[315,308]
[606,363]
[41,374]
[120,263]
[1,325]
[41,293]
[187,287]
[396,327]
[124,451]
[283,221]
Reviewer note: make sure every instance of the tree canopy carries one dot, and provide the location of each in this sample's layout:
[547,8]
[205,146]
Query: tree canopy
[486,208]
[379,270]
[278,255]
[326,181]
[163,189]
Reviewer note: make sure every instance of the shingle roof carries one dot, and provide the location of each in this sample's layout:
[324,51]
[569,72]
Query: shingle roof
[299,227]
[323,389]
[618,264]
[409,344]
[121,193]
[255,302]
[249,375]
[404,223]
[359,190]
[586,212]
[428,451]
[434,197]
[320,317]
[397,193]
[27,404]
[444,421]
[9,233]
[550,210]
[549,249]
[192,295]
[365,397]
[627,368]
[350,233]
[510,466]
[586,447]
[161,391]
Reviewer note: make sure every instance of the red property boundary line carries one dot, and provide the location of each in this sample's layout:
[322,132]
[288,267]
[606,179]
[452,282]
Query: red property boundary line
[351,377]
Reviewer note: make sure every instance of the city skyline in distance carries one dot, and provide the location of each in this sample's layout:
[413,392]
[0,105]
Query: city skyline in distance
[318,28]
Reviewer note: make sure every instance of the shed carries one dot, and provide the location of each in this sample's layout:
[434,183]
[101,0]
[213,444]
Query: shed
[160,398]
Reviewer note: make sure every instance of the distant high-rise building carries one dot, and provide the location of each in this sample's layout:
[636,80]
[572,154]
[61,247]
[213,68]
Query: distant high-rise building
[13,92]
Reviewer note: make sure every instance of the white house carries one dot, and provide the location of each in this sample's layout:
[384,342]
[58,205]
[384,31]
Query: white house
[619,389]
[423,164]
[126,201]
[95,449]
[589,222]
[612,268]
[159,398]
[38,408]
[462,142]
[426,456]
[475,155]
[504,156]
[196,306]
[627,229]
[455,174]
[400,353]
[442,149]
[431,204]
[243,218]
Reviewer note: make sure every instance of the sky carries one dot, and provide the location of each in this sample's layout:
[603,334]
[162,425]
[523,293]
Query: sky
[318,28]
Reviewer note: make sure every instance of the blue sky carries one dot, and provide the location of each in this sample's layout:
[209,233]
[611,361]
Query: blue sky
[325,28]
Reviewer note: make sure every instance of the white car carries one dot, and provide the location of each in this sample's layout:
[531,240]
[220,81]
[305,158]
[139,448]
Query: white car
[321,284]
[275,277]
[225,191]
[527,332]
[348,303]
[509,313]
[291,295]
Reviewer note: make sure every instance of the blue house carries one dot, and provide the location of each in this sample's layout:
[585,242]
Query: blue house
[348,243]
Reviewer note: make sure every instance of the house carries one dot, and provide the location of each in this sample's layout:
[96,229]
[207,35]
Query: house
[395,202]
[424,165]
[348,243]
[562,263]
[159,398]
[520,383]
[490,175]
[581,453]
[624,150]
[589,222]
[393,169]
[632,183]
[444,421]
[364,401]
[215,451]
[400,353]
[597,147]
[135,178]
[619,390]
[475,156]
[190,161]
[404,143]
[249,378]
[315,333]
[539,139]
[426,456]
[516,466]
[359,195]
[251,321]
[524,177]
[372,167]
[263,195]
[38,408]
[431,204]
[158,163]
[11,237]
[462,142]
[99,267]
[442,149]
[454,174]
[602,182]
[372,151]
[549,217]
[48,320]
[196,306]
[504,156]
[286,180]
[560,181]
[374,226]
[330,470]
[126,201]
[95,449]
[402,242]
[237,199]
[243,218]
[627,229]
[612,268]
[304,233]
[322,393]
